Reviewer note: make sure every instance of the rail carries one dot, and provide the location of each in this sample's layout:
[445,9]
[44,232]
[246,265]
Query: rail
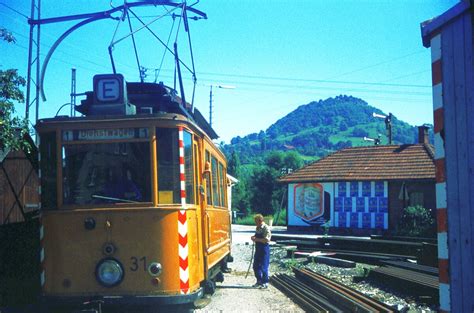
[316,293]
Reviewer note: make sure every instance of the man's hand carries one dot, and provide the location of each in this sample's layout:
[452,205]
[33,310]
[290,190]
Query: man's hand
[253,238]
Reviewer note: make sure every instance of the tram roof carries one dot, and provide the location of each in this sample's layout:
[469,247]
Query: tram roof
[198,120]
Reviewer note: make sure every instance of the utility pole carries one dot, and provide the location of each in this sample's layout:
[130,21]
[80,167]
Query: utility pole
[73,92]
[210,99]
[33,61]
[210,107]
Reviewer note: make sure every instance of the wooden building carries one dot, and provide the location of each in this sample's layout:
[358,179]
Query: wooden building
[363,190]
[19,185]
[450,37]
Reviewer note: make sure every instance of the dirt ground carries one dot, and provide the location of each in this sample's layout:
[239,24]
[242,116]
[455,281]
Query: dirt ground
[235,294]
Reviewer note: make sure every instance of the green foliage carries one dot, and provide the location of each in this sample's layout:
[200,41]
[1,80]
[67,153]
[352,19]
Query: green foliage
[310,132]
[246,220]
[258,190]
[6,35]
[263,184]
[280,218]
[12,128]
[233,165]
[416,221]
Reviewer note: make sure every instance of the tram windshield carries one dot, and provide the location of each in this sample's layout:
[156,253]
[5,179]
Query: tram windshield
[106,173]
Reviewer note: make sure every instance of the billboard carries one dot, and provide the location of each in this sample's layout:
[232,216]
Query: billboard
[354,204]
[309,204]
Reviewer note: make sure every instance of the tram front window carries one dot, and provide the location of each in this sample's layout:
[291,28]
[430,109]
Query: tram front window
[106,173]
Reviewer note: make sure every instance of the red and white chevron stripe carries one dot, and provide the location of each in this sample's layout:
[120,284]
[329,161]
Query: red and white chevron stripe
[441,202]
[183,224]
[41,230]
[41,234]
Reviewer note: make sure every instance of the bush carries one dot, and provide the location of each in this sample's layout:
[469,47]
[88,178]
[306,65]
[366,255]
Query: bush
[416,221]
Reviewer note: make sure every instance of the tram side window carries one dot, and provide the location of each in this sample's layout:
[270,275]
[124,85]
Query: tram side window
[106,173]
[222,182]
[168,166]
[208,180]
[188,167]
[196,170]
[215,183]
[48,166]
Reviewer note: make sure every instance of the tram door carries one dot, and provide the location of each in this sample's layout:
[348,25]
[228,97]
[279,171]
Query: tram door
[206,201]
[198,200]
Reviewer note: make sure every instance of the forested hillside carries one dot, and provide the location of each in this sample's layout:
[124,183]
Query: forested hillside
[311,131]
[318,128]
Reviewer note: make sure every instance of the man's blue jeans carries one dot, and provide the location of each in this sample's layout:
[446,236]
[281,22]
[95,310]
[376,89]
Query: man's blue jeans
[261,262]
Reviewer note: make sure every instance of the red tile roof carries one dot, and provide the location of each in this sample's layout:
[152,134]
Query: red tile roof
[392,162]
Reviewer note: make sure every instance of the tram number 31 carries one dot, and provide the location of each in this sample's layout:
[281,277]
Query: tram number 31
[137,263]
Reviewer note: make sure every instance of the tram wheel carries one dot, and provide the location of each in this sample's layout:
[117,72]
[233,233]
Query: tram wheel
[209,287]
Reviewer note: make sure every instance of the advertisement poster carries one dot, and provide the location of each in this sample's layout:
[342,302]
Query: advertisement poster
[366,206]
[309,204]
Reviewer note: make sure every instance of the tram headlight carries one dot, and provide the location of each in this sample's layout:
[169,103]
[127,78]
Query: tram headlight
[109,272]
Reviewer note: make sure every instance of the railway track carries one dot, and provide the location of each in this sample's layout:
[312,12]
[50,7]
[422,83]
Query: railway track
[404,249]
[416,283]
[430,270]
[316,293]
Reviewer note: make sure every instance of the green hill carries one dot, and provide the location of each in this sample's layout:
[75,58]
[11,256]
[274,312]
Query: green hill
[318,128]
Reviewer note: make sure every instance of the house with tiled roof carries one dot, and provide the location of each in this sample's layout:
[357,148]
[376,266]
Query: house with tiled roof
[363,189]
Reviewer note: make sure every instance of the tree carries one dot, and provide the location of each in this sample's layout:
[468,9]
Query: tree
[6,35]
[233,166]
[262,186]
[293,160]
[12,128]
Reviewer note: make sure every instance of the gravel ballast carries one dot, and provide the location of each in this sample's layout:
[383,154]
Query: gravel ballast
[235,294]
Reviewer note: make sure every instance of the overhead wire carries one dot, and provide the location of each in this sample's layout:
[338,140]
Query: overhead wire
[14,10]
[405,76]
[315,80]
[329,81]
[376,64]
[157,73]
[140,74]
[308,88]
[76,48]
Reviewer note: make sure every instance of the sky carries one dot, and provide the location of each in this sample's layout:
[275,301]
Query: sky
[270,56]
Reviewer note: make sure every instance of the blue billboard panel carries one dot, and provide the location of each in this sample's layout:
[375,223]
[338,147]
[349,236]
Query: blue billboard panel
[339,204]
[366,220]
[354,220]
[383,205]
[373,204]
[354,189]
[342,220]
[360,204]
[379,189]
[366,189]
[347,204]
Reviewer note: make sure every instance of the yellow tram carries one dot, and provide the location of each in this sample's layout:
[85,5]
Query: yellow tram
[134,199]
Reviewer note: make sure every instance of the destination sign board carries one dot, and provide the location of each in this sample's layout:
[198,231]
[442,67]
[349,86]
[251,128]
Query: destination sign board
[105,134]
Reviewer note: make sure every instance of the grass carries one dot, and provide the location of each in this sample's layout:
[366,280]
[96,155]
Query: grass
[248,220]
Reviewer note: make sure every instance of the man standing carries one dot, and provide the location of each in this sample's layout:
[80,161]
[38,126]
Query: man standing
[261,259]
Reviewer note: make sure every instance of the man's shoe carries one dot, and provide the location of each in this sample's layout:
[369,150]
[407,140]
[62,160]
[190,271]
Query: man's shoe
[263,286]
[256,285]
